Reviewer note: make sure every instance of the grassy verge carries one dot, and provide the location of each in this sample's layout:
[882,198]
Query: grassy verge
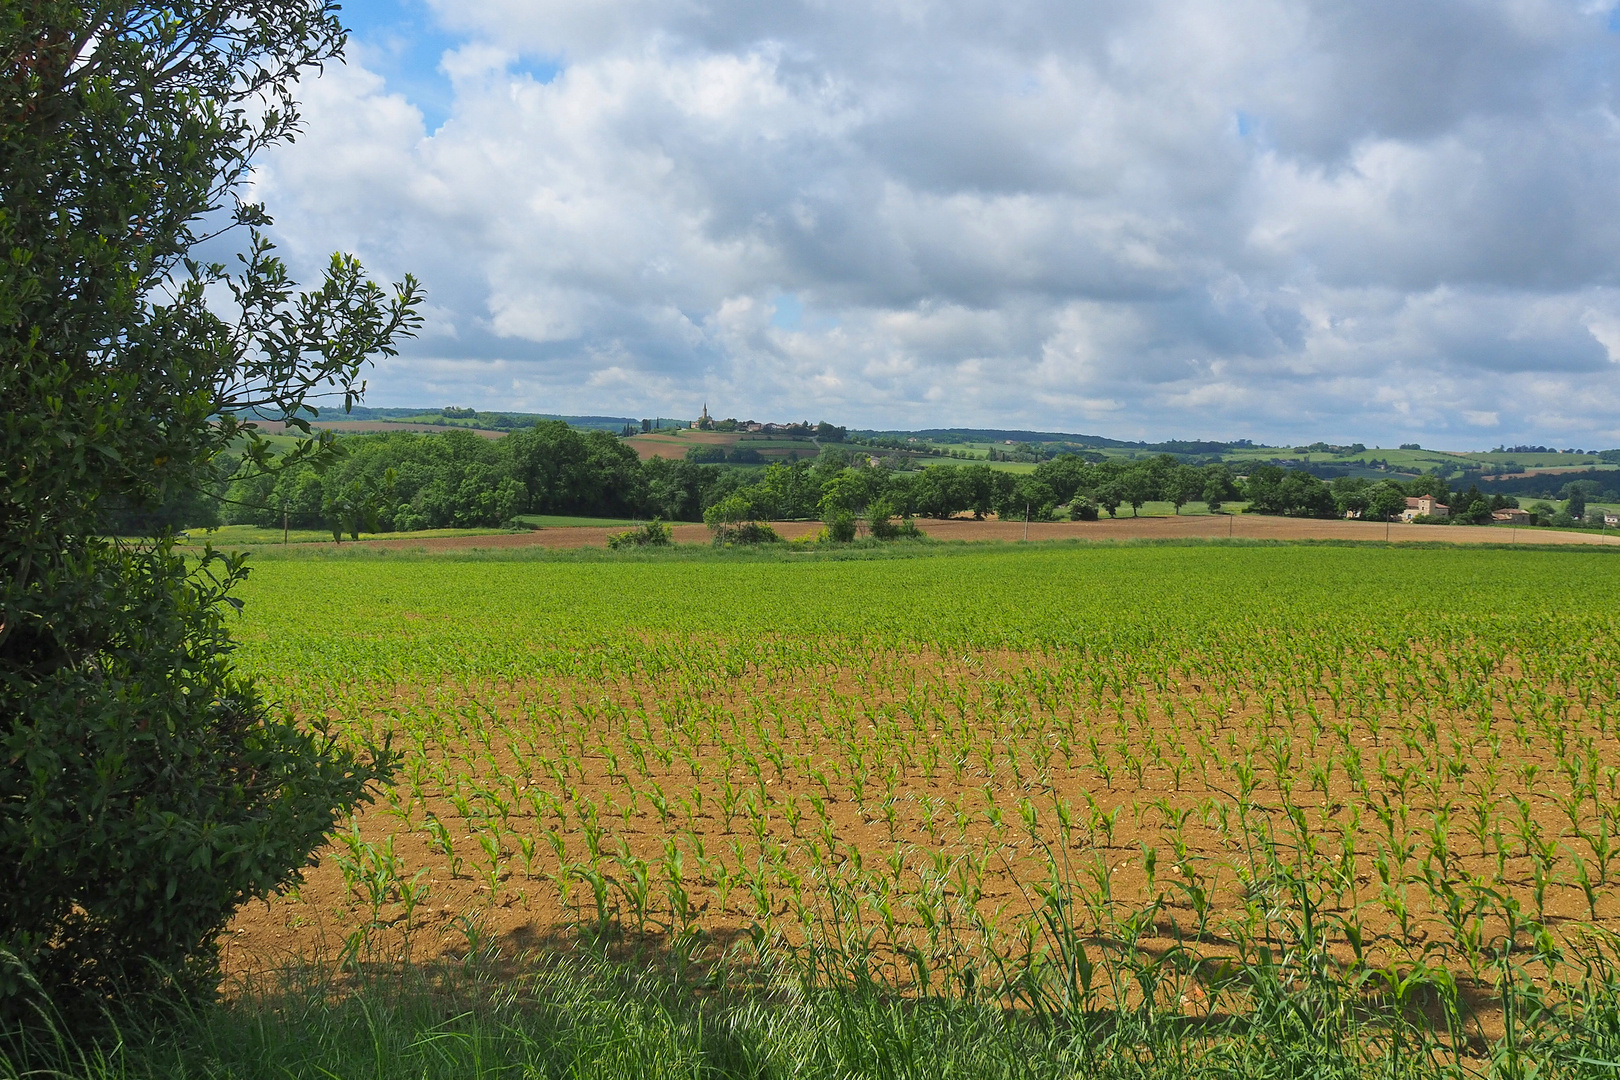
[582,1014]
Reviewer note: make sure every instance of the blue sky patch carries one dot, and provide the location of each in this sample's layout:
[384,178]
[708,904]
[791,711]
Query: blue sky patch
[789,312]
[402,41]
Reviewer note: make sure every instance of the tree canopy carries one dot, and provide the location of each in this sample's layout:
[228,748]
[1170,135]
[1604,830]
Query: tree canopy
[145,788]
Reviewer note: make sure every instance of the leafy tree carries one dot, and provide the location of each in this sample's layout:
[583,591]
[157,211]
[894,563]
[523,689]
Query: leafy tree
[1138,485]
[1027,496]
[1264,489]
[1350,495]
[351,508]
[1184,484]
[1471,507]
[982,489]
[1219,486]
[937,492]
[704,455]
[1110,493]
[1305,495]
[1161,468]
[678,490]
[843,492]
[1385,500]
[1433,486]
[1067,474]
[1271,490]
[786,491]
[731,510]
[1575,506]
[830,463]
[146,790]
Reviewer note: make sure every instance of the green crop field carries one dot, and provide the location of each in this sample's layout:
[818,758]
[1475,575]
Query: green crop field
[1178,810]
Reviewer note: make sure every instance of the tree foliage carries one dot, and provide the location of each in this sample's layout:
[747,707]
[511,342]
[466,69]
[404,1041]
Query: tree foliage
[146,790]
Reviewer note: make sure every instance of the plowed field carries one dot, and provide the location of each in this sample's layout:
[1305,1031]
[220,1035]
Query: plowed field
[1392,760]
[1188,527]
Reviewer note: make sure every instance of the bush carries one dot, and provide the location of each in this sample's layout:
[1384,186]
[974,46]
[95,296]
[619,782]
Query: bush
[146,791]
[746,532]
[841,527]
[653,534]
[1083,510]
[706,455]
[881,523]
[151,791]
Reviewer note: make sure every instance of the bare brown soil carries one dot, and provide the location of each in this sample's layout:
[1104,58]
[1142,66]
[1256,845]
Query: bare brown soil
[877,783]
[664,444]
[654,444]
[1189,526]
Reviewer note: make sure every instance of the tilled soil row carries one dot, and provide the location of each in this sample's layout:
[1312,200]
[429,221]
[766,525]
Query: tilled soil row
[1212,527]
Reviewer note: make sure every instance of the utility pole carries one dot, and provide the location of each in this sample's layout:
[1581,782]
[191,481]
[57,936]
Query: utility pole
[283,524]
[1026,521]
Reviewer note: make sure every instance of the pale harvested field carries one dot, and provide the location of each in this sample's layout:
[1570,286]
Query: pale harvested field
[1240,526]
[354,427]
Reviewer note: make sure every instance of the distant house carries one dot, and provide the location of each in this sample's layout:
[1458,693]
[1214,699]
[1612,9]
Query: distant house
[1425,506]
[1611,519]
[1512,516]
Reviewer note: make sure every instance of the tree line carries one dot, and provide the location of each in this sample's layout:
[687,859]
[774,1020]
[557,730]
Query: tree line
[405,481]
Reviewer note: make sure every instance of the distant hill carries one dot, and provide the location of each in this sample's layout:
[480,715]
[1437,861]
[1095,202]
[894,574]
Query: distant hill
[488,420]
[1096,442]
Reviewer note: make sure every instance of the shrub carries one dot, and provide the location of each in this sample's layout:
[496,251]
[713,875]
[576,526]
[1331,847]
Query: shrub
[841,527]
[146,791]
[746,532]
[1083,510]
[881,523]
[706,455]
[653,534]
[732,521]
[151,793]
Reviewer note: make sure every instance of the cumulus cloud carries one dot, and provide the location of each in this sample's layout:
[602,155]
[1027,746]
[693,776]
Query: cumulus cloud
[1262,218]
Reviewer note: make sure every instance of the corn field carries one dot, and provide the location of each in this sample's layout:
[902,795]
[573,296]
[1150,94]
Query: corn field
[1369,787]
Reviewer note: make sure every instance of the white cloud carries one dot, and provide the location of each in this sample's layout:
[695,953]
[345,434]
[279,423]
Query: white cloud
[1263,218]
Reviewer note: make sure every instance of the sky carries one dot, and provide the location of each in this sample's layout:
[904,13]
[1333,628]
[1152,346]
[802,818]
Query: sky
[1283,220]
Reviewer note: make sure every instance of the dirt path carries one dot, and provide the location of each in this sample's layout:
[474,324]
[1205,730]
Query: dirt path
[1237,526]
